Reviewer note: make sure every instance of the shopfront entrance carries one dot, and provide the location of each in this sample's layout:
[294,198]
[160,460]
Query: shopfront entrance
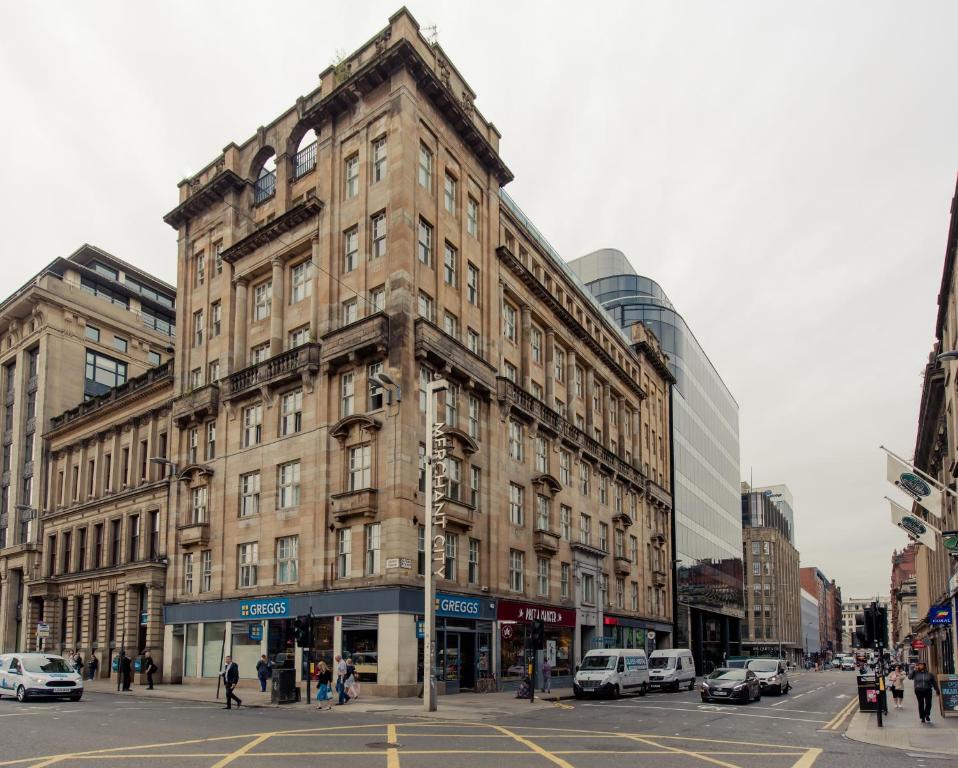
[515,622]
[463,640]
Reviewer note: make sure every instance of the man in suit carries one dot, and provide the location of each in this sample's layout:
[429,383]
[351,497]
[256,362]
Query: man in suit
[230,676]
[126,670]
[149,666]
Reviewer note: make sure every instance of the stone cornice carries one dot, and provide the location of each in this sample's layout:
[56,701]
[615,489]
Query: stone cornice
[378,70]
[215,190]
[110,500]
[656,360]
[295,216]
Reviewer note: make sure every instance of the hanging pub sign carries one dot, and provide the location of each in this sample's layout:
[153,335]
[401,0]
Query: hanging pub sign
[949,540]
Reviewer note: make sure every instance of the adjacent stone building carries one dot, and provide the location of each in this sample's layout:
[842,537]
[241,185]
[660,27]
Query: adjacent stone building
[903,595]
[828,596]
[103,573]
[79,327]
[772,588]
[329,266]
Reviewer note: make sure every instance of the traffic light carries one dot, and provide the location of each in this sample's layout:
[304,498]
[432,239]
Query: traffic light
[303,631]
[538,635]
[876,626]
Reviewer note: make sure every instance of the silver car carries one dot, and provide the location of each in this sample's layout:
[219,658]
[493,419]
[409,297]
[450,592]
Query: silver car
[771,673]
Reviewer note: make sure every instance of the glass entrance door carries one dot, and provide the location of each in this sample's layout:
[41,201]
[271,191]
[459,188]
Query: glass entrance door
[452,662]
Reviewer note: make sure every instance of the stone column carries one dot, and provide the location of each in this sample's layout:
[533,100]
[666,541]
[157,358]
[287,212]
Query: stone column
[525,347]
[590,389]
[82,476]
[277,307]
[623,423]
[283,175]
[570,383]
[240,321]
[606,414]
[550,368]
[636,436]
[314,297]
[116,460]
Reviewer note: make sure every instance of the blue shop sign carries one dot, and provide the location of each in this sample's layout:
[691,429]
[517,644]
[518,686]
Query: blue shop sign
[940,614]
[267,608]
[420,629]
[458,606]
[255,632]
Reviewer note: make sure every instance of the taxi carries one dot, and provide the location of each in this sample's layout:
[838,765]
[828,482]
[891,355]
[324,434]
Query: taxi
[38,675]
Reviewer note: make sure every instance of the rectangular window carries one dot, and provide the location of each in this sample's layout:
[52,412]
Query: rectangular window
[247,562]
[378,229]
[302,277]
[199,271]
[374,390]
[618,538]
[449,193]
[188,573]
[120,345]
[196,378]
[510,371]
[474,487]
[97,545]
[210,440]
[536,343]
[604,537]
[620,593]
[565,468]
[288,484]
[451,265]
[604,594]
[102,373]
[347,397]
[297,337]
[214,373]
[206,570]
[472,284]
[472,217]
[344,537]
[292,412]
[453,478]
[350,249]
[509,321]
[372,536]
[634,550]
[425,306]
[424,245]
[565,522]
[543,512]
[542,573]
[198,505]
[564,581]
[515,440]
[516,570]
[350,311]
[377,299]
[516,516]
[425,167]
[756,546]
[585,530]
[588,588]
[585,484]
[452,556]
[559,359]
[635,596]
[352,176]
[216,319]
[249,494]
[262,300]
[450,324]
[542,454]
[92,333]
[473,342]
[198,328]
[360,467]
[287,560]
[379,159]
[252,425]
[475,413]
[473,574]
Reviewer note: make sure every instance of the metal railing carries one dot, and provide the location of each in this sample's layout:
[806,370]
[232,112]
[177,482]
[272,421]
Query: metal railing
[304,161]
[264,187]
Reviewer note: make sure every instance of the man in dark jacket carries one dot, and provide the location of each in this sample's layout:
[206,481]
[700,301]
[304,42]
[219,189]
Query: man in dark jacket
[230,679]
[924,683]
[149,666]
[126,671]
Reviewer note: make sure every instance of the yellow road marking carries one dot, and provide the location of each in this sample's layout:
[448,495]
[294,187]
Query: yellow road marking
[242,750]
[687,753]
[806,760]
[832,725]
[392,754]
[534,747]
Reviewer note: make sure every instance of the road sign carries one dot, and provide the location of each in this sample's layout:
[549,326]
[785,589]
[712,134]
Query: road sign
[43,629]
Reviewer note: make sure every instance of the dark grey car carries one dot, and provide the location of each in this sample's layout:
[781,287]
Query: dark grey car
[728,684]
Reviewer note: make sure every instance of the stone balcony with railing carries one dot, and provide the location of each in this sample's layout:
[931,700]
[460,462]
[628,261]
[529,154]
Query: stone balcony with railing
[448,355]
[363,502]
[364,338]
[301,361]
[198,405]
[623,566]
[535,409]
[194,534]
[658,494]
[545,541]
[458,514]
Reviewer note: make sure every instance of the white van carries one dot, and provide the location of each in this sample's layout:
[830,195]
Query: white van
[672,668]
[612,672]
[35,675]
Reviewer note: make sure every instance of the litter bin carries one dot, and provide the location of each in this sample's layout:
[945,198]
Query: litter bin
[284,690]
[868,693]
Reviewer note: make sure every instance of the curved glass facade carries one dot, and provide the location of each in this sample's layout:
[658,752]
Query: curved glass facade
[705,445]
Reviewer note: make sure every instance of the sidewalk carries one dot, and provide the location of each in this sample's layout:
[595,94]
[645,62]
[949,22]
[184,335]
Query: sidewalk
[903,730]
[461,706]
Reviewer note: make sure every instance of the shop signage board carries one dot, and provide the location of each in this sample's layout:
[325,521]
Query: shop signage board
[458,606]
[918,644]
[43,629]
[526,612]
[266,608]
[255,632]
[940,614]
[949,540]
[948,700]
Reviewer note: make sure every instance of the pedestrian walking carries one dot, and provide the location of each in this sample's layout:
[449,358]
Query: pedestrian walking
[341,679]
[896,682]
[93,666]
[230,676]
[77,662]
[263,671]
[351,682]
[546,676]
[126,671]
[925,683]
[324,677]
[150,667]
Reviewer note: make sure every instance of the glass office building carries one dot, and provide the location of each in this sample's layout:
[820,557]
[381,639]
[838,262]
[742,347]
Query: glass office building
[705,462]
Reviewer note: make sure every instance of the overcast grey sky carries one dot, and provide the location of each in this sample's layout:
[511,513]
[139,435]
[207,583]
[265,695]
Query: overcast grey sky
[783,169]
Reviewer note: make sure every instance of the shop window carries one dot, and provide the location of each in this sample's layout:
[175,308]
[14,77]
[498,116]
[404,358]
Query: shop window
[214,635]
[361,642]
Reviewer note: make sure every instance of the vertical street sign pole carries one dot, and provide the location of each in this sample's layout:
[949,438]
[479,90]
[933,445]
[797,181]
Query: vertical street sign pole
[435,539]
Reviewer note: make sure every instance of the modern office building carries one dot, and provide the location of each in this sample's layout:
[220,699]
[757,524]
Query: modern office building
[810,634]
[80,326]
[829,597]
[331,265]
[708,527]
[772,584]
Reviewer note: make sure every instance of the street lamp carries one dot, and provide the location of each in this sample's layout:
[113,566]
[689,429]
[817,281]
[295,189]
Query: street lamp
[435,540]
[951,355]
[164,463]
[384,381]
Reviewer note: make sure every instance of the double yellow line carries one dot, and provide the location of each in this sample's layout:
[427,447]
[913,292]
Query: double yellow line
[838,721]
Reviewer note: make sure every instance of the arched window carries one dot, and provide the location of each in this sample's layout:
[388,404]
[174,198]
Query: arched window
[265,185]
[305,159]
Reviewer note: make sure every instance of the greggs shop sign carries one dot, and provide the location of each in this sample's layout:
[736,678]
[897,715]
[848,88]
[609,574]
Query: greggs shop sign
[526,612]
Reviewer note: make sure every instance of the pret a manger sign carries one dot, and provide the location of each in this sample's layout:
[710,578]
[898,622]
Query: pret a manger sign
[440,485]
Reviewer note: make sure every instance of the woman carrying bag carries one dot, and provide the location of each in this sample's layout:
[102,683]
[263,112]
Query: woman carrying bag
[324,677]
[896,681]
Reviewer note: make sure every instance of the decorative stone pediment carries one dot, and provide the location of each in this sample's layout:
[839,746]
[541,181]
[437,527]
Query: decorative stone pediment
[342,427]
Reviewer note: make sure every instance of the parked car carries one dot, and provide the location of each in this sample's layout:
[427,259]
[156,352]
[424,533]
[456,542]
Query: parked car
[672,668]
[771,674]
[612,672]
[39,675]
[731,684]
[847,663]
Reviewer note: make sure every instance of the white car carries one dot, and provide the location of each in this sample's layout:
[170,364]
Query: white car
[38,675]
